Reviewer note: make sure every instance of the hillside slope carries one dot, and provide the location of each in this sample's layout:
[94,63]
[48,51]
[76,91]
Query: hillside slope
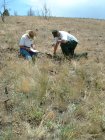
[53,99]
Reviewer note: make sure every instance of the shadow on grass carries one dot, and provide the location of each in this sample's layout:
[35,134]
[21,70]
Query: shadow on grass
[60,57]
[81,55]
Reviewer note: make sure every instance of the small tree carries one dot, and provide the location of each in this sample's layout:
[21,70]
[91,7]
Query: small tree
[6,13]
[2,17]
[5,10]
[31,12]
[15,13]
[45,11]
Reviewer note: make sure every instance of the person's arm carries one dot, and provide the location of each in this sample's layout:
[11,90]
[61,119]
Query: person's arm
[62,41]
[55,48]
[33,46]
[63,38]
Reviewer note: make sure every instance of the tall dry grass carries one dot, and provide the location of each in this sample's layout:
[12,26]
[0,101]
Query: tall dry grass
[52,99]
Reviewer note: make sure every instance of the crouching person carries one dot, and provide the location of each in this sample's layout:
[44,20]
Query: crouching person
[66,41]
[27,48]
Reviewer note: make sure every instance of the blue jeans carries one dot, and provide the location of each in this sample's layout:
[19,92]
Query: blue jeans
[28,55]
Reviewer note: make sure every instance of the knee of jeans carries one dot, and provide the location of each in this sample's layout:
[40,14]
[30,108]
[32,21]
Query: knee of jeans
[28,57]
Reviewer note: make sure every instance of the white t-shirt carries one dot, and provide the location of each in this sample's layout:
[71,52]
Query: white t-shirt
[65,36]
[25,41]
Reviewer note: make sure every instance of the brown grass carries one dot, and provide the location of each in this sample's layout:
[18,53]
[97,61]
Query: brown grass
[52,99]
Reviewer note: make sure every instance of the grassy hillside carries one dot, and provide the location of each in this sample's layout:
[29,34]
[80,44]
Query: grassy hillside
[53,99]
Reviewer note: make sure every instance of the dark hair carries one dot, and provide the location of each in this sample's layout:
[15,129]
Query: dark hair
[55,33]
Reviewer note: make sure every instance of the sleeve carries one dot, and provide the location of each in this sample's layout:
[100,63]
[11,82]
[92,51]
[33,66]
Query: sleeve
[63,37]
[22,41]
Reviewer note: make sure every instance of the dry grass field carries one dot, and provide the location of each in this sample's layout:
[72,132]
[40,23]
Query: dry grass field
[53,99]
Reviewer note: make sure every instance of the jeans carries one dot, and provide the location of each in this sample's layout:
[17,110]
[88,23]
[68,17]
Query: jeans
[28,55]
[68,48]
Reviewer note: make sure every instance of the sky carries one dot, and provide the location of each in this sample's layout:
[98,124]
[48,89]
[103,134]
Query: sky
[60,8]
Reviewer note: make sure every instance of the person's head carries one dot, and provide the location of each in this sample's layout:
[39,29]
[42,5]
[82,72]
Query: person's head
[31,34]
[55,33]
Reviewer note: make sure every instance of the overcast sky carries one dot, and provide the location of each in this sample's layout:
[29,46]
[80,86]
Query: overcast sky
[62,8]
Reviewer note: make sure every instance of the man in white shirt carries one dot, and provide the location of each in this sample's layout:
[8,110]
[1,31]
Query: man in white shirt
[67,42]
[26,45]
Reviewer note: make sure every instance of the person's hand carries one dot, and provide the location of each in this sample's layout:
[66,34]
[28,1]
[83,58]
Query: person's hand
[33,46]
